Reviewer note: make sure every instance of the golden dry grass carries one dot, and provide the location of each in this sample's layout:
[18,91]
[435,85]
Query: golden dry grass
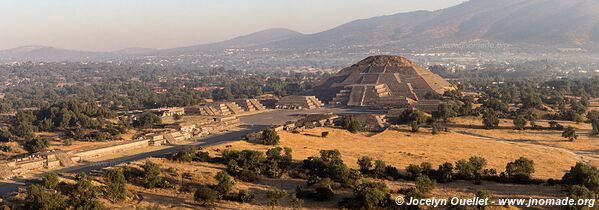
[401,148]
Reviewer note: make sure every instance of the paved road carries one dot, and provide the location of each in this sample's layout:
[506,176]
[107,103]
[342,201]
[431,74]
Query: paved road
[251,123]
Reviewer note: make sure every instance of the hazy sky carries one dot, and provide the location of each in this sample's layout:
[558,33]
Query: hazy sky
[102,25]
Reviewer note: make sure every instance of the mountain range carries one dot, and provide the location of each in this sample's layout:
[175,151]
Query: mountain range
[526,23]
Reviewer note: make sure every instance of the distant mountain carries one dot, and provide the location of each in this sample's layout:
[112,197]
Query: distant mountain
[46,54]
[250,40]
[558,23]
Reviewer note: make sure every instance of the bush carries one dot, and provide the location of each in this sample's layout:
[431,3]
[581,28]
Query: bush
[520,122]
[368,195]
[584,175]
[578,192]
[184,156]
[36,145]
[39,198]
[115,181]
[379,169]
[570,133]
[351,124]
[520,170]
[151,174]
[296,202]
[424,185]
[50,181]
[225,183]
[205,195]
[274,196]
[323,193]
[270,137]
[245,196]
[365,164]
[490,119]
[445,173]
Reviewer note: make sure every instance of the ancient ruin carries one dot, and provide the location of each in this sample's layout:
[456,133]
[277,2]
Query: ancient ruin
[381,81]
[299,102]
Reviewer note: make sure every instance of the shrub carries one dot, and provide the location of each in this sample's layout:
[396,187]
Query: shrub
[520,122]
[368,195]
[365,164]
[520,170]
[351,124]
[323,193]
[274,196]
[245,196]
[270,137]
[445,173]
[225,183]
[116,184]
[570,133]
[50,181]
[205,195]
[379,169]
[84,194]
[584,175]
[296,202]
[184,156]
[36,145]
[39,198]
[578,192]
[490,119]
[151,174]
[424,185]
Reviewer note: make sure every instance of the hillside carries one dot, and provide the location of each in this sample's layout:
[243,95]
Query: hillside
[537,22]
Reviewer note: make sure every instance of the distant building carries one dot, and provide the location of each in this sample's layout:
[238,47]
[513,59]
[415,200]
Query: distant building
[299,102]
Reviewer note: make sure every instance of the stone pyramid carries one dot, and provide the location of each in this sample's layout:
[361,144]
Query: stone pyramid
[381,81]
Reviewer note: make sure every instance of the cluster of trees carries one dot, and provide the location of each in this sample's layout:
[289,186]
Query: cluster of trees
[583,180]
[51,193]
[248,165]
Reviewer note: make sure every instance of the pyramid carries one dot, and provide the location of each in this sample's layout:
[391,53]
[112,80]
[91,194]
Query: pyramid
[299,102]
[381,81]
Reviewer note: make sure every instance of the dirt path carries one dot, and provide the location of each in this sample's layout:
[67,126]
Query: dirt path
[583,156]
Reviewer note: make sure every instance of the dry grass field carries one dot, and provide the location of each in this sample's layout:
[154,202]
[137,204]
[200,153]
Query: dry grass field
[401,148]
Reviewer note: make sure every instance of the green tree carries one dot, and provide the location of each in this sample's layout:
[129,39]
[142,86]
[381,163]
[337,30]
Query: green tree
[365,164]
[425,185]
[520,122]
[84,194]
[270,137]
[351,124]
[520,169]
[445,173]
[490,119]
[578,192]
[116,184]
[379,168]
[274,196]
[225,183]
[296,203]
[151,174]
[584,175]
[36,145]
[444,112]
[205,195]
[5,136]
[570,133]
[147,120]
[39,198]
[50,181]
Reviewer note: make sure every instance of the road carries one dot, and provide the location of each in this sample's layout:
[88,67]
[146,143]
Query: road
[250,124]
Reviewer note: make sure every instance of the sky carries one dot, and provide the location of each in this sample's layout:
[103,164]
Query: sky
[105,25]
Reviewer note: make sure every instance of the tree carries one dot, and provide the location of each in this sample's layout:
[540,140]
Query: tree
[147,120]
[578,192]
[351,124]
[445,173]
[50,181]
[424,185]
[593,117]
[415,126]
[270,137]
[36,145]
[151,174]
[379,168]
[5,136]
[520,122]
[365,164]
[483,194]
[584,175]
[296,203]
[570,133]
[274,196]
[435,128]
[520,169]
[23,130]
[490,119]
[368,195]
[225,183]
[39,198]
[84,194]
[205,195]
[444,112]
[116,184]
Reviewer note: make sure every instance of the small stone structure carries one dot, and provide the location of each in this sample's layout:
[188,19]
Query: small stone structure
[299,102]
[225,108]
[250,105]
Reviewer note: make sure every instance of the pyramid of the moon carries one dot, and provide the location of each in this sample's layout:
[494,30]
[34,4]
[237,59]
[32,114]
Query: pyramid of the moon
[381,81]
